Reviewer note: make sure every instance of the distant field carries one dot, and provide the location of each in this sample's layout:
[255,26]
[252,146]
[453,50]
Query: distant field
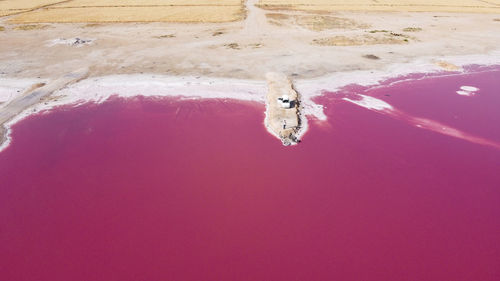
[10,7]
[474,6]
[111,3]
[46,11]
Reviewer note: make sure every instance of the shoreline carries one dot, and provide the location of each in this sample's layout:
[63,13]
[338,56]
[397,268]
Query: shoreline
[99,89]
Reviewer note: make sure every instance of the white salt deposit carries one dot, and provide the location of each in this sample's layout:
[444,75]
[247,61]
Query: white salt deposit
[469,88]
[465,93]
[370,103]
[102,88]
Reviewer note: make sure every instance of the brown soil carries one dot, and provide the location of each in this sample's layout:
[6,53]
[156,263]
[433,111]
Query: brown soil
[61,11]
[234,46]
[412,29]
[314,22]
[276,16]
[320,23]
[360,40]
[31,27]
[371,57]
[165,36]
[249,49]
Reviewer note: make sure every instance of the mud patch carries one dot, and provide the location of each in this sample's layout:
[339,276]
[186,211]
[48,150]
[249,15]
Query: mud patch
[412,29]
[359,40]
[28,27]
[93,25]
[234,46]
[371,57]
[320,23]
[314,22]
[165,36]
[276,16]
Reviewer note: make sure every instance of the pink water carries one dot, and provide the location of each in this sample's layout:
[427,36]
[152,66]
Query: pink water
[163,189]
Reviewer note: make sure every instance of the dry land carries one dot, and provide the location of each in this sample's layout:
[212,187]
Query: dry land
[301,44]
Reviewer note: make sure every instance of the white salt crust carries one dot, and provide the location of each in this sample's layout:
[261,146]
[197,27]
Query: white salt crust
[100,89]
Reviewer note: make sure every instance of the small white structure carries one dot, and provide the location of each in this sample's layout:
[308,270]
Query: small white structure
[285,101]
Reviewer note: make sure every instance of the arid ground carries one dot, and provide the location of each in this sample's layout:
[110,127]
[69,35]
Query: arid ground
[231,38]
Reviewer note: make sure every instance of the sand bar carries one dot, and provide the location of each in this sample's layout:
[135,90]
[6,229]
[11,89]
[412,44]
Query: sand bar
[461,6]
[283,105]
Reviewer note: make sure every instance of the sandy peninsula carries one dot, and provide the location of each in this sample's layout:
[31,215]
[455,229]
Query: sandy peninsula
[60,52]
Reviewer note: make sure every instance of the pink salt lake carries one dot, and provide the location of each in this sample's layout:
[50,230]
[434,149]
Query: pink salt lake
[168,189]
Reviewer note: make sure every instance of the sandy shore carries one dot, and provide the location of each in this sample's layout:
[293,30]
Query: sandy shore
[100,89]
[317,50]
